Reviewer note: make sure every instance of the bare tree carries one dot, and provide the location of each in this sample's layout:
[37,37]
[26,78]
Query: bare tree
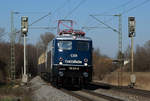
[4,60]
[44,40]
[127,53]
[147,46]
[32,59]
[102,65]
[142,57]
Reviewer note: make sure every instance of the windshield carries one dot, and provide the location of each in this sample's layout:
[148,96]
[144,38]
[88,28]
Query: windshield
[64,45]
[82,46]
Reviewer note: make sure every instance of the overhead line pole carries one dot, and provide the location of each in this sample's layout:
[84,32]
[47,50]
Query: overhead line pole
[119,31]
[120,36]
[12,69]
[120,74]
[120,47]
[12,41]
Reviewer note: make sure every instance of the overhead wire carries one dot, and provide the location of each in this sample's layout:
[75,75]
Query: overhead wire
[56,10]
[75,8]
[31,12]
[117,7]
[44,15]
[39,19]
[125,4]
[128,10]
[60,7]
[3,36]
[136,6]
[18,31]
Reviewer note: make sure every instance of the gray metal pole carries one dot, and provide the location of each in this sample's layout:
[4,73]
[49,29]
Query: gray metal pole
[120,49]
[120,73]
[132,56]
[25,76]
[132,76]
[119,31]
[24,54]
[12,37]
[120,36]
[24,30]
[131,25]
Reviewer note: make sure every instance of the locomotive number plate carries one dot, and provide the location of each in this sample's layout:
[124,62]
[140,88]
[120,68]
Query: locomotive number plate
[73,68]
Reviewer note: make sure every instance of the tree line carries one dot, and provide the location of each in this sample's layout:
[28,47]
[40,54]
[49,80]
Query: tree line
[33,52]
[102,64]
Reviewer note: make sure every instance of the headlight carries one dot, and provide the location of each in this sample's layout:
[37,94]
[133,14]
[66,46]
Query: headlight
[61,73]
[60,63]
[85,74]
[85,64]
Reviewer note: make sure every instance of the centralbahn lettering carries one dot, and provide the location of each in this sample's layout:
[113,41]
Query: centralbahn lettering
[73,61]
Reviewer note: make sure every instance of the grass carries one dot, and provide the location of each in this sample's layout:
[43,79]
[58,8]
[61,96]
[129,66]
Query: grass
[142,79]
[13,92]
[8,98]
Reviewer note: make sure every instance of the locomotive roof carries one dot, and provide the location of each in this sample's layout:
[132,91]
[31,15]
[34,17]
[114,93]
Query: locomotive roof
[71,37]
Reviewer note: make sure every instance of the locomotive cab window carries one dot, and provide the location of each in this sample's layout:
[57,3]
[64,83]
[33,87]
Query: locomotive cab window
[64,45]
[82,46]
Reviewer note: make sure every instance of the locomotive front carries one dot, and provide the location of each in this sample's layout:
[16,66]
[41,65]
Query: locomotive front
[73,59]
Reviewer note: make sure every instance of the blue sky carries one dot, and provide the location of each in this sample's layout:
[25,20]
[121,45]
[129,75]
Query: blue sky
[104,39]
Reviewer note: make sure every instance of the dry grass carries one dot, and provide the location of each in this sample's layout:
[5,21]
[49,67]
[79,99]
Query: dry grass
[142,79]
[11,92]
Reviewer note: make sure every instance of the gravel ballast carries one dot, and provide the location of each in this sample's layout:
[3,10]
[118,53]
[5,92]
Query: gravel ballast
[122,95]
[42,91]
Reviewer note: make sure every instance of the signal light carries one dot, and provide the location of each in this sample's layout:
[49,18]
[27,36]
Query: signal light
[131,26]
[24,25]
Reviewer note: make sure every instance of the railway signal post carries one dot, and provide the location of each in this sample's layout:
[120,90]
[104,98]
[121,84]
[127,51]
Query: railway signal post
[24,30]
[131,29]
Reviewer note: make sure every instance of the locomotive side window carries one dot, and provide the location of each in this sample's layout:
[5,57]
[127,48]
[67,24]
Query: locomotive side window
[82,46]
[64,45]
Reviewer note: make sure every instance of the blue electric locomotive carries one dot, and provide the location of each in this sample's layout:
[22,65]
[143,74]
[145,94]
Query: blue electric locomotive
[69,59]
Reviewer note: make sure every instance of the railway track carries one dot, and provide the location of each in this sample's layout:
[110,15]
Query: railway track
[87,95]
[107,97]
[124,89]
[135,92]
[82,98]
[95,93]
[90,94]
